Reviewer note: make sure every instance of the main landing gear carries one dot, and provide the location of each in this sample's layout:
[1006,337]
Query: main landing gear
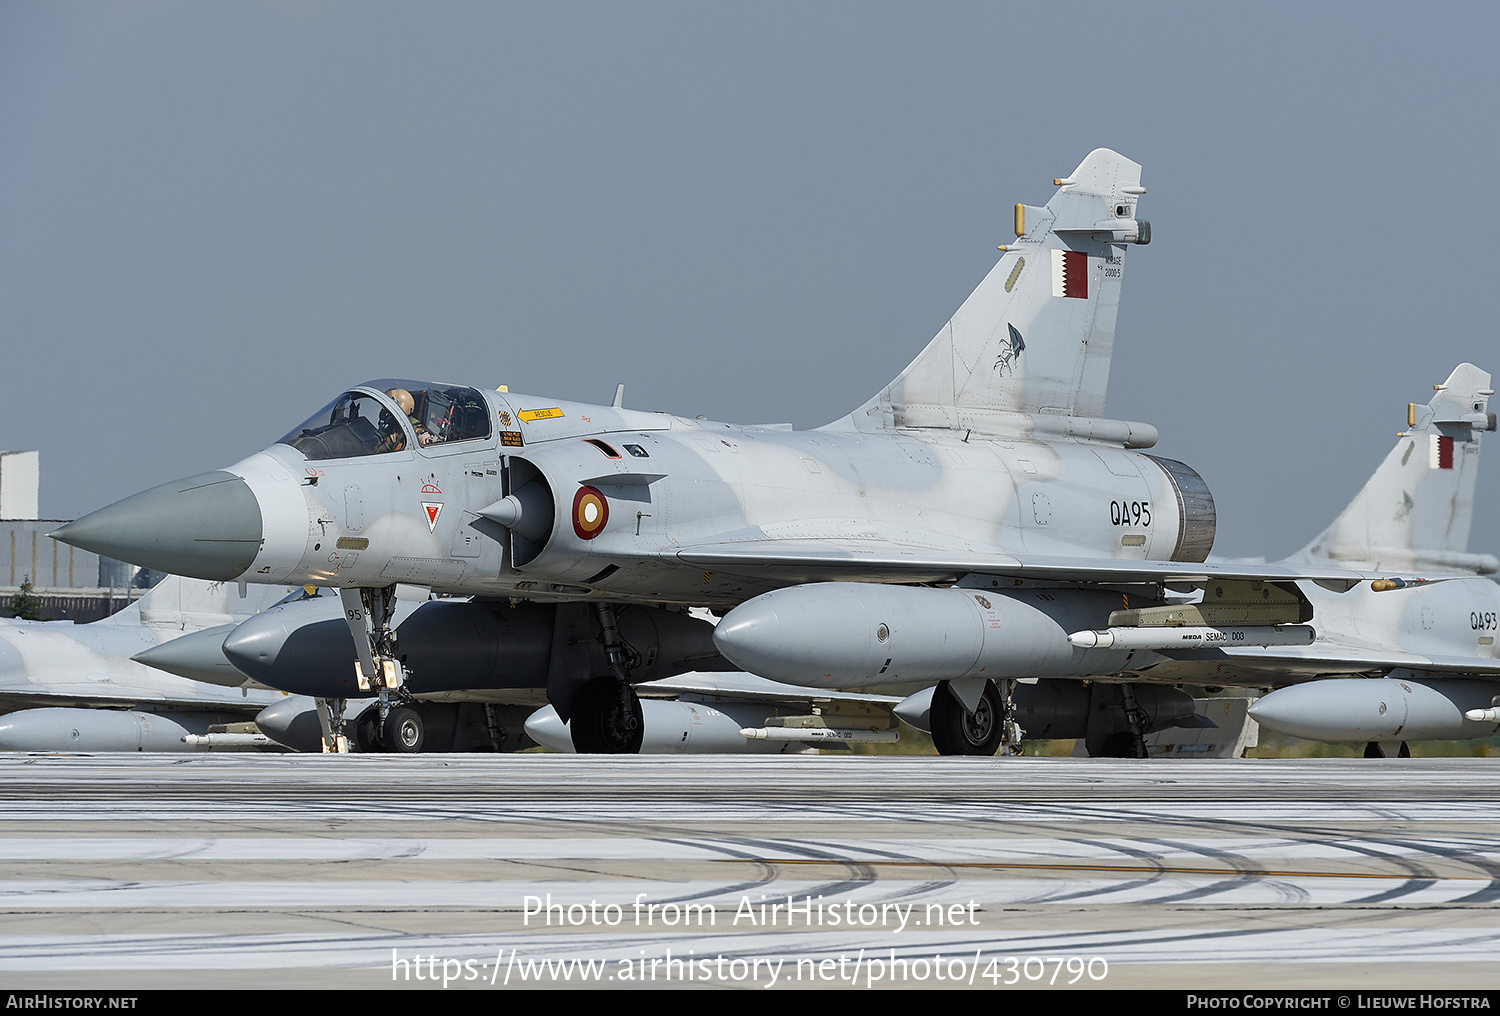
[1128,743]
[607,719]
[959,730]
[606,713]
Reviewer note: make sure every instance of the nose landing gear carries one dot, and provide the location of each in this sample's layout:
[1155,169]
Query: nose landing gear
[368,613]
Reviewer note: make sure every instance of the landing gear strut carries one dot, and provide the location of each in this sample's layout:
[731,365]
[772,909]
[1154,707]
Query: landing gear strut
[1135,738]
[331,722]
[1118,722]
[368,613]
[606,713]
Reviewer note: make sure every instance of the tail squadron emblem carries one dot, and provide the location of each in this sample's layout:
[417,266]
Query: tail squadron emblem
[1010,352]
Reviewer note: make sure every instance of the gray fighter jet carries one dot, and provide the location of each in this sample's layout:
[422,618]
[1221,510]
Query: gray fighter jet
[957,527]
[1418,656]
[83,687]
[1392,660]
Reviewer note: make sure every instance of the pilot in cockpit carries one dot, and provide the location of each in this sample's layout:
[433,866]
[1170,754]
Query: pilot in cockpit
[394,438]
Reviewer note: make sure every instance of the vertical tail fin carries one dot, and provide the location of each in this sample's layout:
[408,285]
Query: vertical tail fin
[1417,509]
[194,604]
[1037,335]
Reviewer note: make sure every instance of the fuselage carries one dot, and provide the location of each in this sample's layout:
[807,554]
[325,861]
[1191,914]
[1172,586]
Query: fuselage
[1449,617]
[610,497]
[1428,628]
[529,498]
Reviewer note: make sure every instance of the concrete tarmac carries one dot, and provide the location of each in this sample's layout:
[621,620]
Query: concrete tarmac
[491,872]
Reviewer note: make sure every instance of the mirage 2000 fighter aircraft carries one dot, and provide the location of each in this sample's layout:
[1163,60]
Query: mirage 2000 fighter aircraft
[966,520]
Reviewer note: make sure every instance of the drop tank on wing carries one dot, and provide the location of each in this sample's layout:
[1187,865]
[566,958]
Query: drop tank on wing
[849,634]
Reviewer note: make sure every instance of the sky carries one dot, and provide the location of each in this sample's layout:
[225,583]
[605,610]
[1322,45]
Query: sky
[216,217]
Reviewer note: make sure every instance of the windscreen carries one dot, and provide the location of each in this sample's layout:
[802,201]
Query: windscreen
[354,424]
[360,423]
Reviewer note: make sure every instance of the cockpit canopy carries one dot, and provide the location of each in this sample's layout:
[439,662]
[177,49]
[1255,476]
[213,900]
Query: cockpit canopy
[390,415]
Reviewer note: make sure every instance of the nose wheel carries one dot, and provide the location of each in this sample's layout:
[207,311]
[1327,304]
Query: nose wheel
[402,732]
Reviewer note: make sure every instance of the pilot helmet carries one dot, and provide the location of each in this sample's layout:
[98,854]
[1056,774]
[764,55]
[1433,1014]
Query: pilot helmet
[403,399]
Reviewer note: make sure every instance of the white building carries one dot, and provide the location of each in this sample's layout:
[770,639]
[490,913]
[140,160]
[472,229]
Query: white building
[20,479]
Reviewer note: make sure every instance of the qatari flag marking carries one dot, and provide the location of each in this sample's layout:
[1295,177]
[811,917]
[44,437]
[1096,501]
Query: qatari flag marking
[1070,274]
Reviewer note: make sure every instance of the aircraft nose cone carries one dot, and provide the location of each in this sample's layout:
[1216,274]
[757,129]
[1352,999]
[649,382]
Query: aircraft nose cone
[198,656]
[253,645]
[207,526]
[282,649]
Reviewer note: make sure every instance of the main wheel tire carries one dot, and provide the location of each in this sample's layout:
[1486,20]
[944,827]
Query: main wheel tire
[607,719]
[956,731]
[403,732]
[1121,744]
[367,731]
